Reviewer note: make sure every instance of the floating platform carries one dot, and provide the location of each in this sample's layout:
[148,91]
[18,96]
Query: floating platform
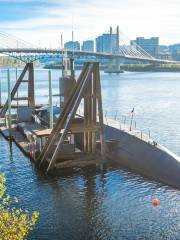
[79,141]
[31,149]
[130,149]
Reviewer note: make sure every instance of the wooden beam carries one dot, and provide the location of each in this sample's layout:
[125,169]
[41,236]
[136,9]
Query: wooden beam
[63,116]
[5,107]
[31,97]
[100,109]
[70,116]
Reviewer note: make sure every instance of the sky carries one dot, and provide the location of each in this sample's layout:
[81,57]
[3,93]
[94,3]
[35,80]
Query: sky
[42,22]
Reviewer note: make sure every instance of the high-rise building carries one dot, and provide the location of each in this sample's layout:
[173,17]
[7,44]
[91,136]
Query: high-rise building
[108,42]
[150,45]
[88,46]
[72,45]
[99,44]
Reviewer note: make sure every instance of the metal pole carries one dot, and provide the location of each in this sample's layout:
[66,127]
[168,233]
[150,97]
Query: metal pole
[9,103]
[17,89]
[131,122]
[50,102]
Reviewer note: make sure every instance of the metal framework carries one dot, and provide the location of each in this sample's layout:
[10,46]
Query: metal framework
[125,49]
[30,95]
[27,55]
[87,87]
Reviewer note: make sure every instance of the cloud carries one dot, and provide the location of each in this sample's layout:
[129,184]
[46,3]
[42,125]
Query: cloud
[48,19]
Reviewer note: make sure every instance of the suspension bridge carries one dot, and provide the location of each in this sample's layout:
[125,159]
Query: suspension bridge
[26,52]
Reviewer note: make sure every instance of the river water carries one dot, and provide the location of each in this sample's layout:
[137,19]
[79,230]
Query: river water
[104,202]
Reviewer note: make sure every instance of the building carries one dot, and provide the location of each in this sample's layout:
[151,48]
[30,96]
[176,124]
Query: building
[150,45]
[88,46]
[165,56]
[106,43]
[72,45]
[99,44]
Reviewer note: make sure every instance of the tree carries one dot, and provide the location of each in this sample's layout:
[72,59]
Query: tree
[15,223]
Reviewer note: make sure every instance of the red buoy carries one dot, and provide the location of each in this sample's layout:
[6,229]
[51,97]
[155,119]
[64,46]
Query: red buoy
[155,202]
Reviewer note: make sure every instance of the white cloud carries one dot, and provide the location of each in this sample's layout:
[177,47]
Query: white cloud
[135,18]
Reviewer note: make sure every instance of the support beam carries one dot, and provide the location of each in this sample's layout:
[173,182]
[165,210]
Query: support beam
[100,110]
[87,87]
[58,126]
[31,101]
[50,101]
[9,103]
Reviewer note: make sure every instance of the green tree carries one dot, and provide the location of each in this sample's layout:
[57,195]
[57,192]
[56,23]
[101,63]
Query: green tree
[15,223]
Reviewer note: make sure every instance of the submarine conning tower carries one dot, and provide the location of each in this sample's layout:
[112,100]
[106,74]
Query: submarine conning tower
[67,82]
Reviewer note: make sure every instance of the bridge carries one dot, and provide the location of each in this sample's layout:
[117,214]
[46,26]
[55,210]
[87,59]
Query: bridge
[26,52]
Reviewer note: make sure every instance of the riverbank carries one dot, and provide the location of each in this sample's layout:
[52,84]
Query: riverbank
[151,68]
[130,67]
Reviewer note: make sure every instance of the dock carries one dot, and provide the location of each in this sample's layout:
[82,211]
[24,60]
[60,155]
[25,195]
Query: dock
[72,140]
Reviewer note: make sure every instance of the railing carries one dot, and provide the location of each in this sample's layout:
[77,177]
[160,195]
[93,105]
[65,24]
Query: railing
[127,124]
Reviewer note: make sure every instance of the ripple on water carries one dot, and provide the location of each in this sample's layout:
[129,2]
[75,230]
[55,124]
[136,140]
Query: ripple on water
[106,203]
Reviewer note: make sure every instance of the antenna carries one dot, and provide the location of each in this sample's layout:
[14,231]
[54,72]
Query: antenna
[72,34]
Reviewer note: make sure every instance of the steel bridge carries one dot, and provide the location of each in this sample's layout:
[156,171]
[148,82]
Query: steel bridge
[28,55]
[26,52]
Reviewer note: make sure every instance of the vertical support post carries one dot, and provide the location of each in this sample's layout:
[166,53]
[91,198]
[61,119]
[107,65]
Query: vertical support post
[131,122]
[72,68]
[50,101]
[85,120]
[89,116]
[9,103]
[94,113]
[31,101]
[17,89]
[100,109]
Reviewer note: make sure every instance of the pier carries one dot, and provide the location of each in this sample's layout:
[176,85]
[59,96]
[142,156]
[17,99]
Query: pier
[72,136]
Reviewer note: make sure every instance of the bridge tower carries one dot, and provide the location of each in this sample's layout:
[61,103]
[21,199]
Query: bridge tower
[114,64]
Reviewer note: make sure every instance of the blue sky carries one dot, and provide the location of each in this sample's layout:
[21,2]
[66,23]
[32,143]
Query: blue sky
[42,22]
